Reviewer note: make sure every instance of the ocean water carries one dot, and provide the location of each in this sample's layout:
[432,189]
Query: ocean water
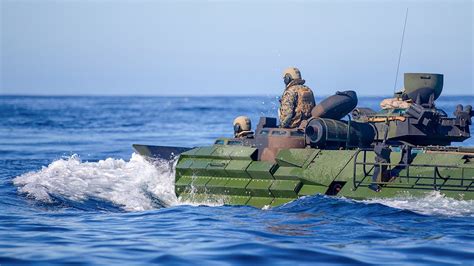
[73,192]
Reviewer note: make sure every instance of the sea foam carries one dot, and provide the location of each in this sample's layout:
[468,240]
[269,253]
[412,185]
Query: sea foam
[135,185]
[432,203]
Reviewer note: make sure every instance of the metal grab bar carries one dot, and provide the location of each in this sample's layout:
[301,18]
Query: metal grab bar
[390,166]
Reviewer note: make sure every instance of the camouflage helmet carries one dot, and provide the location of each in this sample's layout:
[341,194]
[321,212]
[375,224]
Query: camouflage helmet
[242,123]
[293,72]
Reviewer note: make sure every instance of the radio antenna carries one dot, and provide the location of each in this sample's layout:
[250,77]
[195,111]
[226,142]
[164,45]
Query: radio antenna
[400,53]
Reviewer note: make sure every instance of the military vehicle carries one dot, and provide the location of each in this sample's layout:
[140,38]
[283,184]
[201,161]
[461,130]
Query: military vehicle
[342,150]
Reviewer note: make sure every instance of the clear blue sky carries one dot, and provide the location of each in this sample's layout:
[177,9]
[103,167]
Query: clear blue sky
[229,48]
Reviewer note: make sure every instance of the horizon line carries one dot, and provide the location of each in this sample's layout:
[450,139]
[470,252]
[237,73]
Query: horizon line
[190,95]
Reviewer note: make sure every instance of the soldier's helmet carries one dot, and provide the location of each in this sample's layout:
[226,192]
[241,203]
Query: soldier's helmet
[293,72]
[242,124]
[290,74]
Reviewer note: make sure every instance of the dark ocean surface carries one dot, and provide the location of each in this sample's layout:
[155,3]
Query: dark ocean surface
[73,192]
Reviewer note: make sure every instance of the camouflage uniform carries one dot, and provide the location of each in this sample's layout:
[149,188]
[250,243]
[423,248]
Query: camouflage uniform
[395,103]
[296,103]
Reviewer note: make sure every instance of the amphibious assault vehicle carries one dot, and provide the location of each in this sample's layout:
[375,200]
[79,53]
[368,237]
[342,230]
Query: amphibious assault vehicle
[342,150]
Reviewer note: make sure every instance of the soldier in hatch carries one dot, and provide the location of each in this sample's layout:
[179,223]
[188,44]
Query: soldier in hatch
[297,100]
[242,127]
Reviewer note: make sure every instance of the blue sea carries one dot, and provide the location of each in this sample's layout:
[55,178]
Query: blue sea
[73,192]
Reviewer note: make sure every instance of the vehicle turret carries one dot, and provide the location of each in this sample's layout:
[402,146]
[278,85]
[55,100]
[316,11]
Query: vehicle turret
[420,123]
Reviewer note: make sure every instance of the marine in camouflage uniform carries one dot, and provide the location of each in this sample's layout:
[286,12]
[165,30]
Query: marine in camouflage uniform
[297,100]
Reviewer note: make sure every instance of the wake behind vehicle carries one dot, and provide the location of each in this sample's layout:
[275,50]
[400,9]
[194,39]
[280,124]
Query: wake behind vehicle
[405,148]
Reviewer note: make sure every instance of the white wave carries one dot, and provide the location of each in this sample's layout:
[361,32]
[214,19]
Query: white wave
[433,203]
[193,198]
[135,185]
[211,201]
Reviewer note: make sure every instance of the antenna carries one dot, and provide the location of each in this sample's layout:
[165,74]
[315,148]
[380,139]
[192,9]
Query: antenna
[400,54]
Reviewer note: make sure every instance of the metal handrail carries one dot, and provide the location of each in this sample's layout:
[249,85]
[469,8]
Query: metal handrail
[436,174]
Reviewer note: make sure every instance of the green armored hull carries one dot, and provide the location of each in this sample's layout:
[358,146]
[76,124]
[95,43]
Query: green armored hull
[401,149]
[231,174]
